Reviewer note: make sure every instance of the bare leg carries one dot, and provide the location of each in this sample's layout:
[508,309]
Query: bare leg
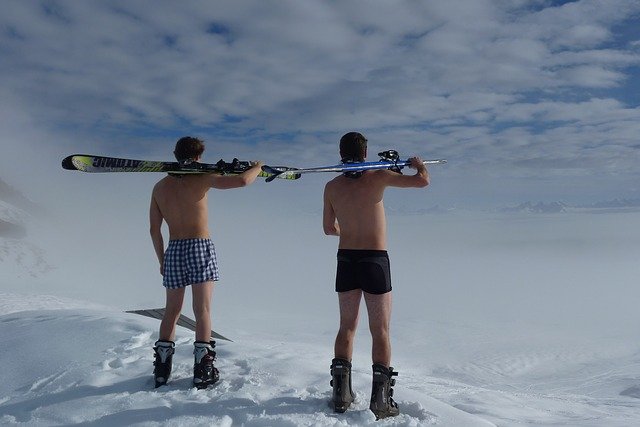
[349,305]
[379,311]
[202,293]
[173,307]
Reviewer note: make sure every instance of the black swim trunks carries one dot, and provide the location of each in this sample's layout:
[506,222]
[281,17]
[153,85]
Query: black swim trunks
[368,270]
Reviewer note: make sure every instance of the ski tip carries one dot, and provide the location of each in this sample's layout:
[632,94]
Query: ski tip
[77,162]
[67,163]
[435,162]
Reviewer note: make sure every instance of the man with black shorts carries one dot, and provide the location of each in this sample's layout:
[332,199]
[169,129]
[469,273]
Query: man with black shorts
[190,257]
[354,211]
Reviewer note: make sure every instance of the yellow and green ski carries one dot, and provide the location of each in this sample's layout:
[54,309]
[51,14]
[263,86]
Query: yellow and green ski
[102,164]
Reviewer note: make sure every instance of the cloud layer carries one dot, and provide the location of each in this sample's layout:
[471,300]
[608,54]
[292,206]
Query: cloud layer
[507,90]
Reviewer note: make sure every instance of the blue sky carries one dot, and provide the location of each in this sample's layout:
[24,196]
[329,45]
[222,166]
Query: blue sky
[528,100]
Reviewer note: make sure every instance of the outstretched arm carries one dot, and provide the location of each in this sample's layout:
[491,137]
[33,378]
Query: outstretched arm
[236,181]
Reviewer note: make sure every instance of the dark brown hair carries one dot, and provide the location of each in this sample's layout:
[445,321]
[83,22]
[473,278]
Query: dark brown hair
[353,147]
[188,148]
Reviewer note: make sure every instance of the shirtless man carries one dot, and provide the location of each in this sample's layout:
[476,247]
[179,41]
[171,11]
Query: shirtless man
[354,211]
[190,257]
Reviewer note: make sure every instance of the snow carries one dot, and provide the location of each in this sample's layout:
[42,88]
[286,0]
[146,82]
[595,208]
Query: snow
[93,366]
[498,320]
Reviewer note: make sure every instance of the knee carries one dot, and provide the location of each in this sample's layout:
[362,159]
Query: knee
[202,315]
[201,310]
[171,315]
[380,334]
[201,305]
[347,331]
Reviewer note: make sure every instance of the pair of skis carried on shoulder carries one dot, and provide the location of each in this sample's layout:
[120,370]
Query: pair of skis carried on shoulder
[98,164]
[101,164]
[389,159]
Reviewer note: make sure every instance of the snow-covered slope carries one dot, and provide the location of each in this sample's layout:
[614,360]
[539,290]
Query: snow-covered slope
[498,319]
[20,253]
[66,365]
[70,366]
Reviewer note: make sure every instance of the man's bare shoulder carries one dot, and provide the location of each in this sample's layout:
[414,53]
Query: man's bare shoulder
[160,184]
[370,179]
[384,173]
[334,182]
[188,179]
[376,178]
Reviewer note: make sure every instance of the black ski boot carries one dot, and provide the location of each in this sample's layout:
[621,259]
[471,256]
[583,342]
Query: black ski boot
[341,383]
[204,373]
[382,404]
[163,355]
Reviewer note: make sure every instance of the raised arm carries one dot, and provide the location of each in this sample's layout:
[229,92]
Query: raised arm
[419,179]
[247,177]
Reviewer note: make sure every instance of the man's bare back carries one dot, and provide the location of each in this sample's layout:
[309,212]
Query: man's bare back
[354,208]
[182,202]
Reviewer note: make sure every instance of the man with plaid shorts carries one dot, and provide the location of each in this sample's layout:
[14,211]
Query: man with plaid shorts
[190,257]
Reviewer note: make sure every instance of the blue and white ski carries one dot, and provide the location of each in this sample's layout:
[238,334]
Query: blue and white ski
[388,160]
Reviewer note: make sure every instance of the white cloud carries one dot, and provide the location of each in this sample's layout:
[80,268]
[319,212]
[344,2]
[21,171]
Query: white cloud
[464,72]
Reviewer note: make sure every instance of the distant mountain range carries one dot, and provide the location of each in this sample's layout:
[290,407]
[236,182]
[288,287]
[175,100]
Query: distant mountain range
[14,208]
[554,207]
[616,203]
[18,254]
[11,230]
[8,194]
[539,207]
[559,207]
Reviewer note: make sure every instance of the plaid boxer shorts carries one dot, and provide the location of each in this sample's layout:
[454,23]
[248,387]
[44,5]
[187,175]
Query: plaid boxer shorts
[189,261]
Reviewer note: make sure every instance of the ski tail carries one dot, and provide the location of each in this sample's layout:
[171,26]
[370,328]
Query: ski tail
[282,172]
[273,172]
